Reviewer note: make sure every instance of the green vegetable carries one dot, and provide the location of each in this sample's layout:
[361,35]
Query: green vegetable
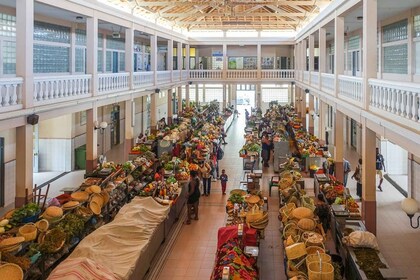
[171,180]
[236,198]
[72,225]
[28,210]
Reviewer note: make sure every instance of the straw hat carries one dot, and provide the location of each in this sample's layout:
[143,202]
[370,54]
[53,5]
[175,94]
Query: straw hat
[80,196]
[98,199]
[95,188]
[53,212]
[11,271]
[12,241]
[105,196]
[95,207]
[253,199]
[71,205]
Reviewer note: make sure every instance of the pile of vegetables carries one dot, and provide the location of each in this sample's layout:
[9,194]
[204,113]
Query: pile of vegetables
[53,241]
[369,261]
[171,180]
[72,225]
[236,198]
[253,147]
[29,210]
[128,166]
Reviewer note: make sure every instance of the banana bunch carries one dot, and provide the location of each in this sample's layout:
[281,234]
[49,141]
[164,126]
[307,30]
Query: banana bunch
[260,223]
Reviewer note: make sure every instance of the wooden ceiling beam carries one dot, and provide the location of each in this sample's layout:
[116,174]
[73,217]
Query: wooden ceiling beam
[217,14]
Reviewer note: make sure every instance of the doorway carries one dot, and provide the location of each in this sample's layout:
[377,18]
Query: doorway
[355,63]
[115,125]
[35,137]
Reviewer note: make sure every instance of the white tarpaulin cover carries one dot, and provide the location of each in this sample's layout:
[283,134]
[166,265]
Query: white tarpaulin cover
[119,244]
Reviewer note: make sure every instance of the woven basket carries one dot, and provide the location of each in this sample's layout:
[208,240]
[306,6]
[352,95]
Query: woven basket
[318,257]
[290,229]
[295,251]
[312,239]
[320,271]
[311,250]
[11,271]
[28,231]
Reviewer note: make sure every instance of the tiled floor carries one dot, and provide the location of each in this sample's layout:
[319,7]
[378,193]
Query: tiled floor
[192,256]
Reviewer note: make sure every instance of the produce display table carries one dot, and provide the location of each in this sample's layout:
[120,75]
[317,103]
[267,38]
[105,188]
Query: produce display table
[281,150]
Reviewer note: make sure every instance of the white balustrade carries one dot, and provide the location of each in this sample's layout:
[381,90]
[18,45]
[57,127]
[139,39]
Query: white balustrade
[402,99]
[351,87]
[277,74]
[59,87]
[163,77]
[328,82]
[315,78]
[206,74]
[113,82]
[184,75]
[242,74]
[142,79]
[10,92]
[306,77]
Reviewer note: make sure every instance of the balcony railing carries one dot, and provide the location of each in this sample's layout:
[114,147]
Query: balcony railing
[10,93]
[53,88]
[206,74]
[163,77]
[142,79]
[328,82]
[277,74]
[401,99]
[113,82]
[242,74]
[306,77]
[315,79]
[351,87]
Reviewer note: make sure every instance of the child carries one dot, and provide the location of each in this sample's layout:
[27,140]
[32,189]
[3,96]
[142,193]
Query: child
[223,180]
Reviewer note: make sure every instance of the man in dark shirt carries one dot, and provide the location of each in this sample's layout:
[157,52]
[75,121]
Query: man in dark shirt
[380,165]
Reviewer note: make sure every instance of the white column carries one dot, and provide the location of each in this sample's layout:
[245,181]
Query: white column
[91,138]
[322,61]
[187,95]
[369,47]
[304,54]
[92,52]
[225,61]
[259,61]
[311,117]
[179,98]
[129,126]
[311,54]
[170,56]
[153,119]
[321,120]
[170,96]
[153,60]
[224,98]
[338,50]
[339,145]
[179,56]
[369,177]
[25,51]
[73,48]
[129,55]
[24,162]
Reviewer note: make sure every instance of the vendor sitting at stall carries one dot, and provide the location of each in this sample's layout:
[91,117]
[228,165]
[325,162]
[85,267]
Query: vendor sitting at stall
[161,124]
[160,173]
[322,210]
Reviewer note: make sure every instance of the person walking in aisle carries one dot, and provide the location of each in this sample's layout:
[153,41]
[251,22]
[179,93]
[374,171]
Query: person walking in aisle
[322,210]
[347,169]
[380,165]
[193,196]
[223,181]
[358,177]
[205,169]
[266,149]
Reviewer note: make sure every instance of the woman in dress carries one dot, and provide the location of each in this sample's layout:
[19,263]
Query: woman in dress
[193,196]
